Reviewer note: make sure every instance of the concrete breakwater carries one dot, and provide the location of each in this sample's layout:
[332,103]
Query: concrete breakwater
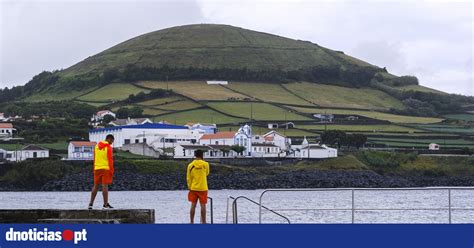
[75,216]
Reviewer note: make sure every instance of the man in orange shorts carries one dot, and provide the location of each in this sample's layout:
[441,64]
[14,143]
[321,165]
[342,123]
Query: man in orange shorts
[103,170]
[196,177]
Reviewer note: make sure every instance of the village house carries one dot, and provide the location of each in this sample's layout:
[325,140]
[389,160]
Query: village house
[81,150]
[266,150]
[100,115]
[286,125]
[187,151]
[3,155]
[3,117]
[219,138]
[217,82]
[308,151]
[6,130]
[203,128]
[277,139]
[129,121]
[27,152]
[433,147]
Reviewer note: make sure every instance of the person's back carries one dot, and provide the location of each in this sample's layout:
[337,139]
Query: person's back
[196,177]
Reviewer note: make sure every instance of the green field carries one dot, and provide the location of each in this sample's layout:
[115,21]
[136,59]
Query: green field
[371,114]
[460,142]
[57,96]
[112,92]
[261,111]
[95,104]
[362,128]
[267,92]
[464,117]
[197,90]
[443,128]
[179,105]
[197,115]
[160,101]
[153,111]
[343,97]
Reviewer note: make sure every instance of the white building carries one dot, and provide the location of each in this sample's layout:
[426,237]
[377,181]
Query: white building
[203,128]
[99,116]
[3,155]
[3,117]
[130,121]
[6,130]
[154,134]
[277,139]
[433,146]
[266,150]
[81,150]
[217,82]
[307,150]
[243,137]
[27,152]
[219,138]
[210,151]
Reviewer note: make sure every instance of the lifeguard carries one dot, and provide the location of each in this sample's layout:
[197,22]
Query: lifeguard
[103,170]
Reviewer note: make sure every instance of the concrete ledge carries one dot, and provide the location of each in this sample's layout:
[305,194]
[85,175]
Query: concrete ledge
[126,216]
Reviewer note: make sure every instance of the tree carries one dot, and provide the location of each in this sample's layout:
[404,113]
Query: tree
[123,113]
[238,149]
[334,137]
[356,140]
[107,119]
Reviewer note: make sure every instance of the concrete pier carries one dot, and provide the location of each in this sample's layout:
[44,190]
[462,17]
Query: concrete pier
[76,216]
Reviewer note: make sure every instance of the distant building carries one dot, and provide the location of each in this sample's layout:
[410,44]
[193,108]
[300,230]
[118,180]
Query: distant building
[203,128]
[130,121]
[6,130]
[3,117]
[286,125]
[217,82]
[219,138]
[81,150]
[266,150]
[99,116]
[307,150]
[154,134]
[28,152]
[274,137]
[433,147]
[187,151]
[326,118]
[3,155]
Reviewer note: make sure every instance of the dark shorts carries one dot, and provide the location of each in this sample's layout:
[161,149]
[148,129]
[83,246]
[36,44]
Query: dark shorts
[102,177]
[194,196]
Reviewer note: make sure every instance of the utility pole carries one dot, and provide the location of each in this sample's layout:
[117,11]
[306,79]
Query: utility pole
[251,112]
[143,147]
[325,121]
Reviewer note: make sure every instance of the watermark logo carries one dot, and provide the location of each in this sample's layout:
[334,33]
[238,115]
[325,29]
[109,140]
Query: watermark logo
[46,235]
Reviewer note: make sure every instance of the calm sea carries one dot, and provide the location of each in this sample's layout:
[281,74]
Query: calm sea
[406,206]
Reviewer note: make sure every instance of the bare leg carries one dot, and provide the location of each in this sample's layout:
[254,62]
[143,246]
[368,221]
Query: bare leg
[94,193]
[203,213]
[105,193]
[192,212]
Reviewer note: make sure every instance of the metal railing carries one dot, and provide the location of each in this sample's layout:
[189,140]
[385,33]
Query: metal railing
[235,212]
[211,210]
[354,209]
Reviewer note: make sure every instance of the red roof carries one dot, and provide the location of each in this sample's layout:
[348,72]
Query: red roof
[219,135]
[102,112]
[6,125]
[83,143]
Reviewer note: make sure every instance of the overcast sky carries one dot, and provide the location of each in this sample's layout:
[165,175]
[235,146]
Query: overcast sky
[432,40]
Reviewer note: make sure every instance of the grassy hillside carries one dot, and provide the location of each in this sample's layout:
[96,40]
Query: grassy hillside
[211,46]
[343,97]
[259,111]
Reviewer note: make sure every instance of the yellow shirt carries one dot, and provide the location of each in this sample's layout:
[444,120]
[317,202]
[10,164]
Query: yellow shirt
[103,156]
[196,175]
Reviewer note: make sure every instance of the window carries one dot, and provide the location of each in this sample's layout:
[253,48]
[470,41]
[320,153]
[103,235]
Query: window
[27,154]
[217,142]
[126,141]
[87,149]
[77,149]
[144,140]
[137,141]
[43,155]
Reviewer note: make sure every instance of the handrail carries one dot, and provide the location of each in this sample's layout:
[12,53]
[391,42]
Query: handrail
[353,208]
[234,208]
[212,209]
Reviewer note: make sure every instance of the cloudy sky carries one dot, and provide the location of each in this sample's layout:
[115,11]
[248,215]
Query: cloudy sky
[432,40]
